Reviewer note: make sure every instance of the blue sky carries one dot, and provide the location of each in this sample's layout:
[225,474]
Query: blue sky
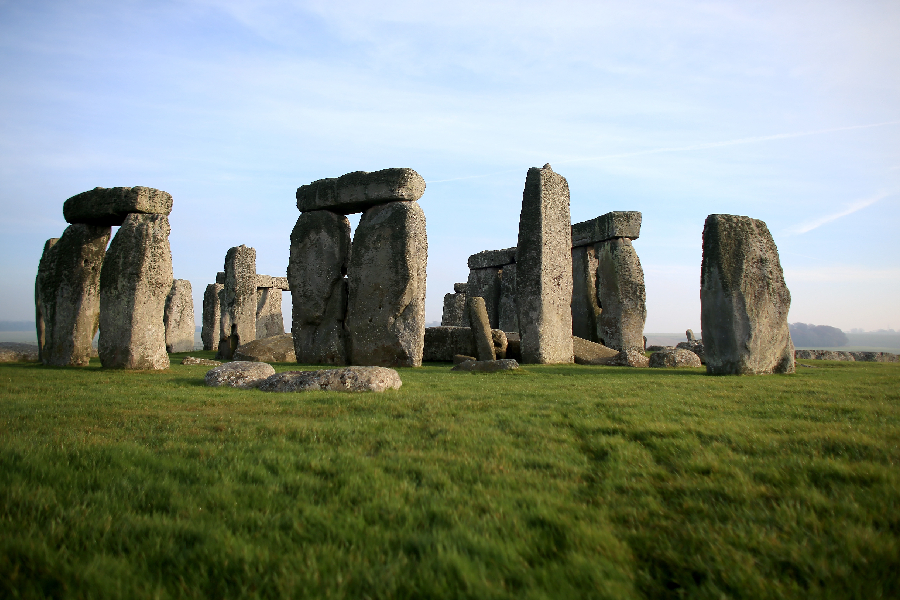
[785,111]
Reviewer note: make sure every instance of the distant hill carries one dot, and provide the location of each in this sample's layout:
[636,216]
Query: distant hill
[819,336]
[16,325]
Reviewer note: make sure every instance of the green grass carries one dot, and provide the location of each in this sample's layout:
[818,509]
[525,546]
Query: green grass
[547,482]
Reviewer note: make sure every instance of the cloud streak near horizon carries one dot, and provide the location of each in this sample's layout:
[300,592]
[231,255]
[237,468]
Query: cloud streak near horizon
[855,206]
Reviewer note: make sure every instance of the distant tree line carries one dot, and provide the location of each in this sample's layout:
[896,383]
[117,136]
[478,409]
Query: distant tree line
[809,335]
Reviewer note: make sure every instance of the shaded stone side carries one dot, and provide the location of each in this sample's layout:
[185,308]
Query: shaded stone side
[508,317]
[178,317]
[110,206]
[585,304]
[70,295]
[614,224]
[360,190]
[443,343]
[492,258]
[240,299]
[544,269]
[212,311]
[485,283]
[621,294]
[134,283]
[454,314]
[269,320]
[319,259]
[43,266]
[226,343]
[386,311]
[744,301]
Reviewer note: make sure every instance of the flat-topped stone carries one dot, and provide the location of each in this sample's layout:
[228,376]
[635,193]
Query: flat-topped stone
[347,379]
[239,374]
[619,223]
[110,206]
[267,281]
[487,366]
[357,191]
[492,258]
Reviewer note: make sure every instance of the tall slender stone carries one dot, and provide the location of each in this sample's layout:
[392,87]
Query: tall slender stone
[622,296]
[744,300]
[386,311]
[212,311]
[585,304]
[70,295]
[319,259]
[43,267]
[134,283]
[481,329]
[269,320]
[544,269]
[178,317]
[240,299]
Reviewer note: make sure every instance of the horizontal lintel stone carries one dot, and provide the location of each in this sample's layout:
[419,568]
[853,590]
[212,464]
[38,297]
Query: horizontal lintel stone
[267,281]
[110,206]
[357,191]
[492,258]
[616,224]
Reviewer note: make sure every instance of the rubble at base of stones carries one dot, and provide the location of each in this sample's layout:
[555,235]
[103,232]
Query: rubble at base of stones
[347,379]
[674,358]
[193,360]
[278,348]
[592,353]
[845,356]
[18,352]
[629,358]
[695,347]
[487,366]
[239,374]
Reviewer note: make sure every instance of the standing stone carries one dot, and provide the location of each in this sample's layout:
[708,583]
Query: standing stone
[70,294]
[484,345]
[240,299]
[454,314]
[485,283]
[211,314]
[269,320]
[585,304]
[690,335]
[508,319]
[386,312]
[744,301]
[620,288]
[134,283]
[226,343]
[43,266]
[319,259]
[544,269]
[178,317]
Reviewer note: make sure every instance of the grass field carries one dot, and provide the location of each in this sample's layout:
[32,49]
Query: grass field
[547,482]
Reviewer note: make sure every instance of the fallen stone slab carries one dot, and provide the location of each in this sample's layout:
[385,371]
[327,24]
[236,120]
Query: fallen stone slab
[18,352]
[239,374]
[278,348]
[461,358]
[492,258]
[443,343]
[110,206]
[591,353]
[616,224]
[355,192]
[674,358]
[629,358]
[487,366]
[192,360]
[347,379]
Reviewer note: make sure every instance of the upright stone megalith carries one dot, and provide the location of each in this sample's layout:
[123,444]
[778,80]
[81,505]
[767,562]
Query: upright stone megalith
[620,287]
[178,317]
[212,311]
[70,294]
[386,304]
[269,320]
[544,269]
[134,283]
[744,301]
[320,256]
[43,267]
[240,299]
[585,304]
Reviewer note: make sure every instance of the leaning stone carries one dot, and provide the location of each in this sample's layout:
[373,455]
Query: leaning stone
[386,311]
[134,284]
[629,358]
[508,317]
[616,224]
[178,317]
[110,206]
[319,259]
[585,305]
[592,353]
[18,352]
[239,374]
[487,366]
[454,314]
[240,299]
[269,320]
[212,313]
[674,358]
[278,348]
[43,267]
[696,347]
[359,191]
[267,281]
[492,258]
[544,269]
[744,301]
[486,284]
[461,358]
[347,379]
[191,360]
[443,343]
[481,329]
[71,296]
[620,285]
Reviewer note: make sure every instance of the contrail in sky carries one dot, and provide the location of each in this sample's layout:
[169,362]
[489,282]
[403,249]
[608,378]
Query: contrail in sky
[852,208]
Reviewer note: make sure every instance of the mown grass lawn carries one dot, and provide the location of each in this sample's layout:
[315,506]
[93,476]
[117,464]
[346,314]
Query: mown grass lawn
[547,482]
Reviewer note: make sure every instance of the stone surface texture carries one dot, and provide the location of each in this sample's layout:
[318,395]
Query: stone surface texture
[492,258]
[486,366]
[461,288]
[134,283]
[621,295]
[347,379]
[110,206]
[178,317]
[240,300]
[70,294]
[481,329]
[629,358]
[508,318]
[193,360]
[674,358]
[443,343]
[267,281]
[544,269]
[239,374]
[386,304]
[319,259]
[43,265]
[592,353]
[212,313]
[486,284]
[585,304]
[460,358]
[278,348]
[695,346]
[220,277]
[744,301]
[454,314]
[269,320]
[359,191]
[623,224]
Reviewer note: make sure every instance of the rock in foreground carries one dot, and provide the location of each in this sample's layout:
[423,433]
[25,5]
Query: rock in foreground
[278,348]
[487,366]
[678,357]
[347,379]
[239,374]
[193,360]
[591,353]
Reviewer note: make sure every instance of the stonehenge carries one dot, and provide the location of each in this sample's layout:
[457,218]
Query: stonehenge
[43,265]
[212,312]
[178,317]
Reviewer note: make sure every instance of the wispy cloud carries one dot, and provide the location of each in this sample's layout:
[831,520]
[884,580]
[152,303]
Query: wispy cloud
[841,274]
[853,207]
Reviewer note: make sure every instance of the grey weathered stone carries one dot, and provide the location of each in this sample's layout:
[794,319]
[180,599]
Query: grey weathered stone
[267,281]
[239,374]
[18,352]
[591,353]
[212,313]
[874,357]
[269,320]
[492,258]
[442,343]
[674,358]
[359,191]
[460,358]
[508,317]
[695,346]
[486,284]
[454,314]
[278,348]
[481,329]
[514,346]
[544,269]
[585,305]
[110,206]
[43,266]
[240,299]
[134,283]
[70,294]
[461,288]
[226,343]
[386,309]
[178,317]
[622,297]
[629,358]
[220,277]
[656,348]
[348,379]
[320,256]
[193,360]
[744,301]
[616,224]
[487,366]
[690,335]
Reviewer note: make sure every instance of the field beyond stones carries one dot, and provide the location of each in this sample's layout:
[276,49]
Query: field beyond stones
[546,482]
